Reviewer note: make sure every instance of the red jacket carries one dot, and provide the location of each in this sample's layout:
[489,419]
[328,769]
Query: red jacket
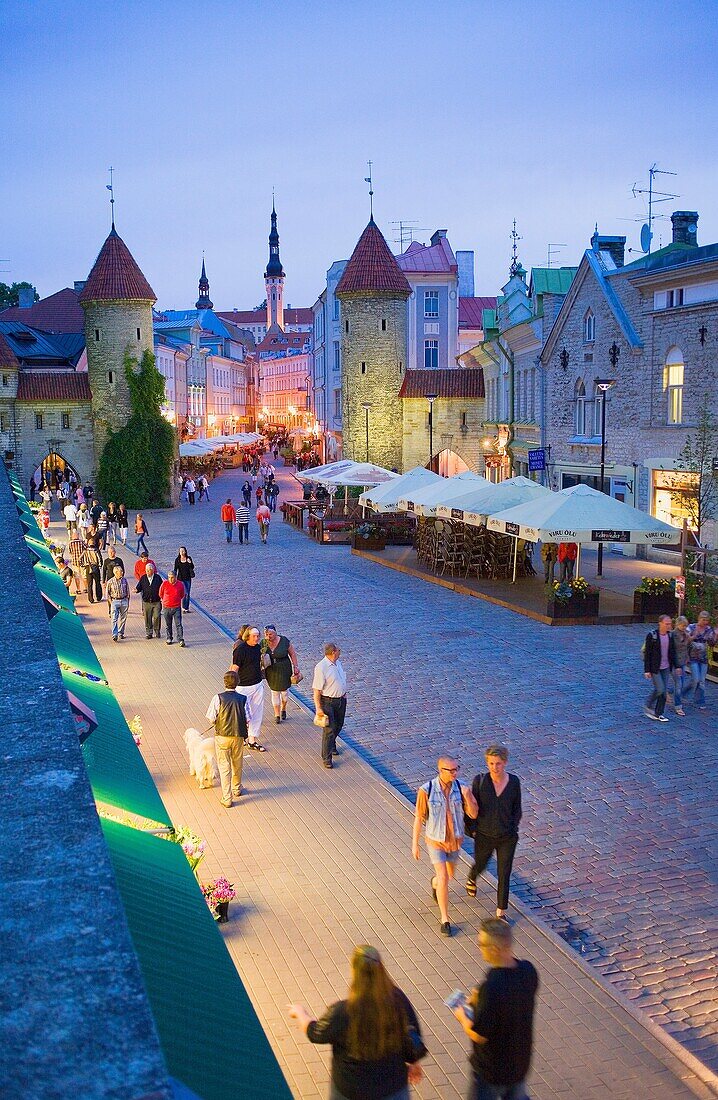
[228,513]
[171,594]
[140,568]
[567,551]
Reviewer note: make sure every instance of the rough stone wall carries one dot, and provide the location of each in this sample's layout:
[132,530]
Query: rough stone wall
[681,327]
[378,381]
[448,431]
[116,324]
[75,444]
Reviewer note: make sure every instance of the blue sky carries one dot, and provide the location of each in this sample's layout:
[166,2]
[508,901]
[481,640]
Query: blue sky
[473,113]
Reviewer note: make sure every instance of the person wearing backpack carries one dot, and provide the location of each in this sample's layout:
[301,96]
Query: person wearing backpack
[659,661]
[498,797]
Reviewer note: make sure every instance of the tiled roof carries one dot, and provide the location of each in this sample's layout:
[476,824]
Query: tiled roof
[293,315]
[53,386]
[60,312]
[372,267]
[298,315]
[457,383]
[471,310]
[8,358]
[115,276]
[423,259]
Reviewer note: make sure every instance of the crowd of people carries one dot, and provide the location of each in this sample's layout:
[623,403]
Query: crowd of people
[675,660]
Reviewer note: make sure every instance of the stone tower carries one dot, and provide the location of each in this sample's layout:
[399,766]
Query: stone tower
[373,292]
[274,278]
[117,300]
[204,301]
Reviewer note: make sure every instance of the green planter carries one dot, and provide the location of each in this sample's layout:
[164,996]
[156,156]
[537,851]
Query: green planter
[575,608]
[650,606]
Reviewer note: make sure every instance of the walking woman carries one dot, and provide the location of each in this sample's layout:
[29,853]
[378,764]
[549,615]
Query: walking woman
[123,522]
[141,532]
[682,670]
[374,1033]
[247,663]
[701,636]
[281,671]
[184,568]
[247,493]
[498,795]
[112,521]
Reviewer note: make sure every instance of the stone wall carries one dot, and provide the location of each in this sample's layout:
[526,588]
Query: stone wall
[75,444]
[449,432]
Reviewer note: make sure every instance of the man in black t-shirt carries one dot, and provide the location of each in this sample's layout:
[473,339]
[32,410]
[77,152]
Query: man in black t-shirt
[499,1020]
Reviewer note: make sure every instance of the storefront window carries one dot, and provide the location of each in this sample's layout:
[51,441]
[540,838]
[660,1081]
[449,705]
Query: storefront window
[674,496]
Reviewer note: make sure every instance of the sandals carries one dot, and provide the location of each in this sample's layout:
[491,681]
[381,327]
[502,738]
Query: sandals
[256,746]
[471,888]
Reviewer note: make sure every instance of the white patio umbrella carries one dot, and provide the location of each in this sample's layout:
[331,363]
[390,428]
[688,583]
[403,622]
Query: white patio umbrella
[348,473]
[385,498]
[496,498]
[316,473]
[196,448]
[423,502]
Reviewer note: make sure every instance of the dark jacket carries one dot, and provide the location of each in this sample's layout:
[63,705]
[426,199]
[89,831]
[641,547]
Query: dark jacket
[652,652]
[150,589]
[108,568]
[231,720]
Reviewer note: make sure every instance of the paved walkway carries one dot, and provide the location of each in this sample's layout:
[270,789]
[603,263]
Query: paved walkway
[321,862]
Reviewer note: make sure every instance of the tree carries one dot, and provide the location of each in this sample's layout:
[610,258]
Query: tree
[9,295]
[699,457]
[136,464]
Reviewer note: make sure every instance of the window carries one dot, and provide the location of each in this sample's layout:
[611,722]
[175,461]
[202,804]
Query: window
[363,368]
[346,325]
[5,380]
[336,309]
[337,403]
[673,385]
[110,376]
[65,421]
[580,398]
[589,327]
[97,335]
[383,324]
[431,303]
[464,424]
[431,354]
[38,422]
[532,398]
[3,422]
[139,335]
[598,399]
[674,298]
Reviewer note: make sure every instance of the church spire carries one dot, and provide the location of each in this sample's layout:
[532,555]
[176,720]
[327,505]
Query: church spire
[274,267]
[274,277]
[204,301]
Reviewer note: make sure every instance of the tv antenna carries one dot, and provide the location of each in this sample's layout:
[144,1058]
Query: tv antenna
[553,249]
[111,189]
[406,233]
[654,198]
[515,237]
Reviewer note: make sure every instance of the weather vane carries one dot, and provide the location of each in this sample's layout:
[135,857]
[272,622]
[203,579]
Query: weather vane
[110,188]
[515,237]
[368,179]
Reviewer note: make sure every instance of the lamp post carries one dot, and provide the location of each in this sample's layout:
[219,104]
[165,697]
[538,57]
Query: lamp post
[431,398]
[366,405]
[603,385]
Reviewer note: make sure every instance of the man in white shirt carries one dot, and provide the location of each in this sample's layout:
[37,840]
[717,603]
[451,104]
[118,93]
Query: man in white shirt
[330,699]
[70,513]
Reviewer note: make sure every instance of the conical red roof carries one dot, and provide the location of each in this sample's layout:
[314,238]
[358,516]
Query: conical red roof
[116,276]
[372,267]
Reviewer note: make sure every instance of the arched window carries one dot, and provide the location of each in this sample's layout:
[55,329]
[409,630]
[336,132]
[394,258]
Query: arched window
[589,327]
[598,399]
[580,398]
[673,385]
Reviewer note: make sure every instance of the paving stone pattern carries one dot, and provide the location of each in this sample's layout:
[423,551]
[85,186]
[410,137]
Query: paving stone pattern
[617,849]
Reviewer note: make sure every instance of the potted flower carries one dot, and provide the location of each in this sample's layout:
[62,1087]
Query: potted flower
[574,599]
[218,895]
[192,846]
[655,596]
[136,729]
[336,530]
[369,536]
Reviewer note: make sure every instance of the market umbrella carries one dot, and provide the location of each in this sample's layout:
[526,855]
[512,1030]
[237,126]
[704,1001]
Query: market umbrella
[494,498]
[423,502]
[316,473]
[385,498]
[196,448]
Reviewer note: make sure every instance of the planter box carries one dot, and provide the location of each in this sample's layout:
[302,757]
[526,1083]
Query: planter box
[375,542]
[575,608]
[337,536]
[649,606]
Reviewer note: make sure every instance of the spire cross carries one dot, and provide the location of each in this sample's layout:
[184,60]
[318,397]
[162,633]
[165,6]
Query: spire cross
[368,179]
[515,237]
[110,188]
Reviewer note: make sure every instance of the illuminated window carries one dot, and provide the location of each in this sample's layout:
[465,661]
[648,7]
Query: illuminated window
[673,385]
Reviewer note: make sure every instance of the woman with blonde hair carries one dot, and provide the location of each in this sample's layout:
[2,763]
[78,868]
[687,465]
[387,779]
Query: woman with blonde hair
[374,1033]
[682,671]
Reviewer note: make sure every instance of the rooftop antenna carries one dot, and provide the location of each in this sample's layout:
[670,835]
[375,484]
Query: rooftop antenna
[654,197]
[515,237]
[110,188]
[407,229]
[553,249]
[368,179]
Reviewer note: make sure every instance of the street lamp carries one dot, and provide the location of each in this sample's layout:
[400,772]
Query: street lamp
[366,405]
[603,385]
[431,398]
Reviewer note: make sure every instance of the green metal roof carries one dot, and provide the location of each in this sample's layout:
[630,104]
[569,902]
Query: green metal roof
[117,772]
[552,280]
[39,548]
[72,644]
[209,1032]
[51,584]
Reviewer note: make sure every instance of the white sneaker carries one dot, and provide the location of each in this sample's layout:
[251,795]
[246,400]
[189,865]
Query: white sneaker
[662,718]
[650,714]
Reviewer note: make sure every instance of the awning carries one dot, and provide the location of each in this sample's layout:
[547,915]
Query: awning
[424,501]
[209,1032]
[476,506]
[73,647]
[40,550]
[385,498]
[51,584]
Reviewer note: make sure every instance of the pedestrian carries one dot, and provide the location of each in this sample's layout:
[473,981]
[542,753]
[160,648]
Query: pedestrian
[70,514]
[499,1020]
[91,561]
[247,663]
[549,552]
[228,712]
[184,568]
[191,487]
[118,594]
[659,660]
[182,482]
[701,635]
[258,495]
[171,593]
[567,552]
[203,485]
[229,518]
[282,671]
[64,569]
[112,520]
[441,804]
[103,528]
[264,518]
[498,796]
[270,494]
[682,671]
[243,514]
[123,522]
[33,487]
[149,586]
[75,549]
[247,493]
[329,686]
[374,1034]
[141,564]
[108,571]
[141,532]
[275,452]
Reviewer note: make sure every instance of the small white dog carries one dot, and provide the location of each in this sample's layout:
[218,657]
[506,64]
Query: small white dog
[202,761]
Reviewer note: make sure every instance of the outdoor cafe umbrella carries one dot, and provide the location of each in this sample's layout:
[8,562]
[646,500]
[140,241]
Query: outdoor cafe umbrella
[423,502]
[385,498]
[478,504]
[348,474]
[196,448]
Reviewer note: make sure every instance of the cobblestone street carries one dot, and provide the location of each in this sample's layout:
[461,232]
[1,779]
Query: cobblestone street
[617,850]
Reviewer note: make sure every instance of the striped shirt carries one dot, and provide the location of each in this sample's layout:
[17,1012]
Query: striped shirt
[242,513]
[118,589]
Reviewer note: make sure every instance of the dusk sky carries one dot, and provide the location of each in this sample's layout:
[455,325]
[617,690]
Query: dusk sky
[473,114]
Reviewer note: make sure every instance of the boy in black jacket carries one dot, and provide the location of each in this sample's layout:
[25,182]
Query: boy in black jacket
[659,660]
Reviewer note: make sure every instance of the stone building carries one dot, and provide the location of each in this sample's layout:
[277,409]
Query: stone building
[373,292]
[451,441]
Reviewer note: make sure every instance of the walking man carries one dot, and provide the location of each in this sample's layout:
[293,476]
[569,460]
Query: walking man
[243,522]
[330,699]
[70,513]
[659,660]
[247,663]
[264,518]
[203,486]
[92,564]
[227,711]
[191,488]
[500,1018]
[149,588]
[441,804]
[229,518]
[118,594]
[171,593]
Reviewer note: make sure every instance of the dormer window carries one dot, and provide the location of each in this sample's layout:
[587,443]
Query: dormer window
[674,298]
[589,327]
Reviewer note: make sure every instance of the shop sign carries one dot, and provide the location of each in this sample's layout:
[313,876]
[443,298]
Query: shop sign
[537,460]
[457,513]
[610,536]
[512,529]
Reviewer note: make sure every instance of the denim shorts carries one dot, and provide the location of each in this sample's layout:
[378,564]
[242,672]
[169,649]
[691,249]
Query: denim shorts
[438,855]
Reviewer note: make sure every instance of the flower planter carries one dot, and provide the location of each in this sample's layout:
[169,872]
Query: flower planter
[576,608]
[650,606]
[337,536]
[222,912]
[372,542]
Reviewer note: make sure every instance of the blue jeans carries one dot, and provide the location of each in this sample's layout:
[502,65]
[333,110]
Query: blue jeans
[681,680]
[656,701]
[185,598]
[480,1090]
[141,545]
[118,609]
[699,670]
[228,525]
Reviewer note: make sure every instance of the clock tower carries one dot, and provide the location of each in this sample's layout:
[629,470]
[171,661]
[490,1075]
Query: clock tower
[274,278]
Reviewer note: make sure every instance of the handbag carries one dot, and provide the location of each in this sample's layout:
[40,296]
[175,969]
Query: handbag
[297,677]
[266,660]
[322,721]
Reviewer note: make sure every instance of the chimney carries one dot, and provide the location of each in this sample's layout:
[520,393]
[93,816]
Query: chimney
[615,246]
[439,235]
[685,227]
[465,264]
[26,297]
[79,285]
